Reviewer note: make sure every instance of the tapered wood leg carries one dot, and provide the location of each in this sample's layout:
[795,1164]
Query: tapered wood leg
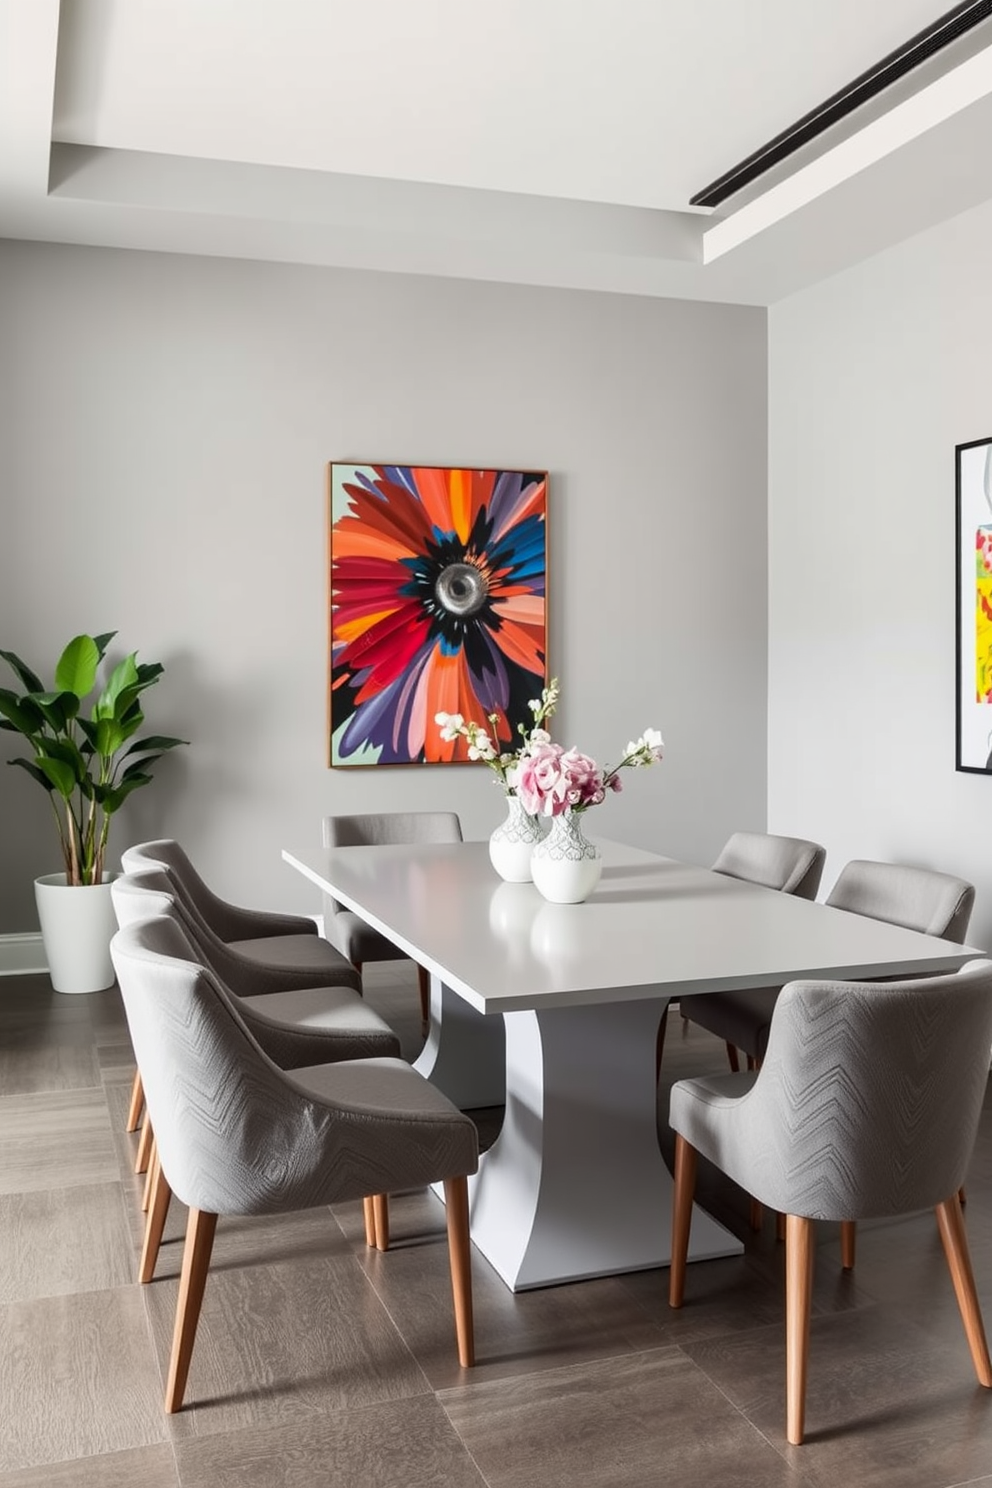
[146,1193]
[685,1187]
[955,1240]
[733,1059]
[380,1208]
[369,1212]
[848,1239]
[200,1230]
[155,1223]
[144,1145]
[424,987]
[460,1256]
[137,1105]
[799,1251]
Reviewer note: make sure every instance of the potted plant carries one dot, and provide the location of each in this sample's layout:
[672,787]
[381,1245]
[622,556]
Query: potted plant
[88,765]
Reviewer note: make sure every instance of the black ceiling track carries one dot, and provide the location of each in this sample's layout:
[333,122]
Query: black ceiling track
[920,48]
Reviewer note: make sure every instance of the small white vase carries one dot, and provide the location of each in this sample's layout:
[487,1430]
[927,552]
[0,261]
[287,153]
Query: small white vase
[77,926]
[566,866]
[511,844]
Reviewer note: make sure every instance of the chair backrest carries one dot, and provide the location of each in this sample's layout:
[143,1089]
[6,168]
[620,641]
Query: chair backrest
[916,898]
[165,853]
[868,1099]
[387,828]
[234,1135]
[790,864]
[141,896]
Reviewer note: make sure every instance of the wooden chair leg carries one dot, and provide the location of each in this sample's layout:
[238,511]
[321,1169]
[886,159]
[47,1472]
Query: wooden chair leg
[200,1230]
[146,1192]
[424,986]
[460,1256]
[955,1241]
[155,1223]
[799,1252]
[685,1187]
[380,1208]
[137,1105]
[733,1059]
[144,1145]
[368,1209]
[848,1238]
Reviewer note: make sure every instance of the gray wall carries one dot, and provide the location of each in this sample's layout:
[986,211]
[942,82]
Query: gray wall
[165,424]
[874,377]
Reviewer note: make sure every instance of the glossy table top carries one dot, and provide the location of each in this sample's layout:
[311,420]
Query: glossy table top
[653,927]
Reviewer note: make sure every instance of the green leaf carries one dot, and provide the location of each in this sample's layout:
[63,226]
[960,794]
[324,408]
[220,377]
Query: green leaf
[112,800]
[26,676]
[76,669]
[34,772]
[22,713]
[59,708]
[154,741]
[116,696]
[61,775]
[103,641]
[139,766]
[110,736]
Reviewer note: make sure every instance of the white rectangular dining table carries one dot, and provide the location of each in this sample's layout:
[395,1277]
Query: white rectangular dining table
[554,1011]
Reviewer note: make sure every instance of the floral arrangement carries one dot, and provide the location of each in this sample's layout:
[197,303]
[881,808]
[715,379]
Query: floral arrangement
[550,780]
[547,778]
[482,744]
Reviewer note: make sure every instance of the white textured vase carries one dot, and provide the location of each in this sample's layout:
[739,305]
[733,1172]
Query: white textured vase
[77,926]
[566,866]
[511,844]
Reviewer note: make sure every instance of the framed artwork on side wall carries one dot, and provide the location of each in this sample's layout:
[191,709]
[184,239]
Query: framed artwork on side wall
[974,606]
[438,604]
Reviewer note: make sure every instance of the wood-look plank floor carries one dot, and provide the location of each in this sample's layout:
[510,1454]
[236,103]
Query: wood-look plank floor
[319,1361]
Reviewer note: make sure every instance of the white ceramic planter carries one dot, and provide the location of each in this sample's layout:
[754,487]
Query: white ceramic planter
[77,925]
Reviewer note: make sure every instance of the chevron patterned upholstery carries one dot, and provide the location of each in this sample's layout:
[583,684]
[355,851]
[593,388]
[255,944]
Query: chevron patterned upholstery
[866,1105]
[277,940]
[237,1135]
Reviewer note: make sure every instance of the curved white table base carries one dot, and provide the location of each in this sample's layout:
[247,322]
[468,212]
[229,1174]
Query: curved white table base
[575,1185]
[464,1055]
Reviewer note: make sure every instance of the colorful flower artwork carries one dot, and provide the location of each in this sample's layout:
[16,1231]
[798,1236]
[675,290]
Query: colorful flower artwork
[974,601]
[438,604]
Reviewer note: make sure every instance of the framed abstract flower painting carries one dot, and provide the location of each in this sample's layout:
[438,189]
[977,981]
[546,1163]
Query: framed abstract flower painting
[974,606]
[438,604]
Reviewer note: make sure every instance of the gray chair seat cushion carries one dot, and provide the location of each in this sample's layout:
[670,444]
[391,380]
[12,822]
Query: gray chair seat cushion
[299,953]
[314,1024]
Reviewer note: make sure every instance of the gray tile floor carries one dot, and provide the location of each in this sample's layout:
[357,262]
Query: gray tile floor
[319,1362]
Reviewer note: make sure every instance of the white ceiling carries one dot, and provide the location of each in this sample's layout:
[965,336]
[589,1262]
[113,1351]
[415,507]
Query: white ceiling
[535,141]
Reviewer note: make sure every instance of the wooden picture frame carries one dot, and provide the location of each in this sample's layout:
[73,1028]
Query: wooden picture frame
[437,603]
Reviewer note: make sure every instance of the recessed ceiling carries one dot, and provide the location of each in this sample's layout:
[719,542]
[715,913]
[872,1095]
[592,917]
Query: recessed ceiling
[536,141]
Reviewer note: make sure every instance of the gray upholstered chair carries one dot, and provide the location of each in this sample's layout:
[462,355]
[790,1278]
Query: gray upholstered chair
[348,931]
[789,864]
[237,1135]
[275,940]
[295,1024]
[292,958]
[866,1106]
[916,898]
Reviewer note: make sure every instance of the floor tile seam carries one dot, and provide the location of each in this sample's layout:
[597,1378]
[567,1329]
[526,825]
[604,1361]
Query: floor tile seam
[625,1357]
[461,1440]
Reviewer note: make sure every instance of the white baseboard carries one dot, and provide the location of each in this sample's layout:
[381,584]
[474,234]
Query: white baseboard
[20,955]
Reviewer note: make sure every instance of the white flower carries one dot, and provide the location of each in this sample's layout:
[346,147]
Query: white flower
[451,724]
